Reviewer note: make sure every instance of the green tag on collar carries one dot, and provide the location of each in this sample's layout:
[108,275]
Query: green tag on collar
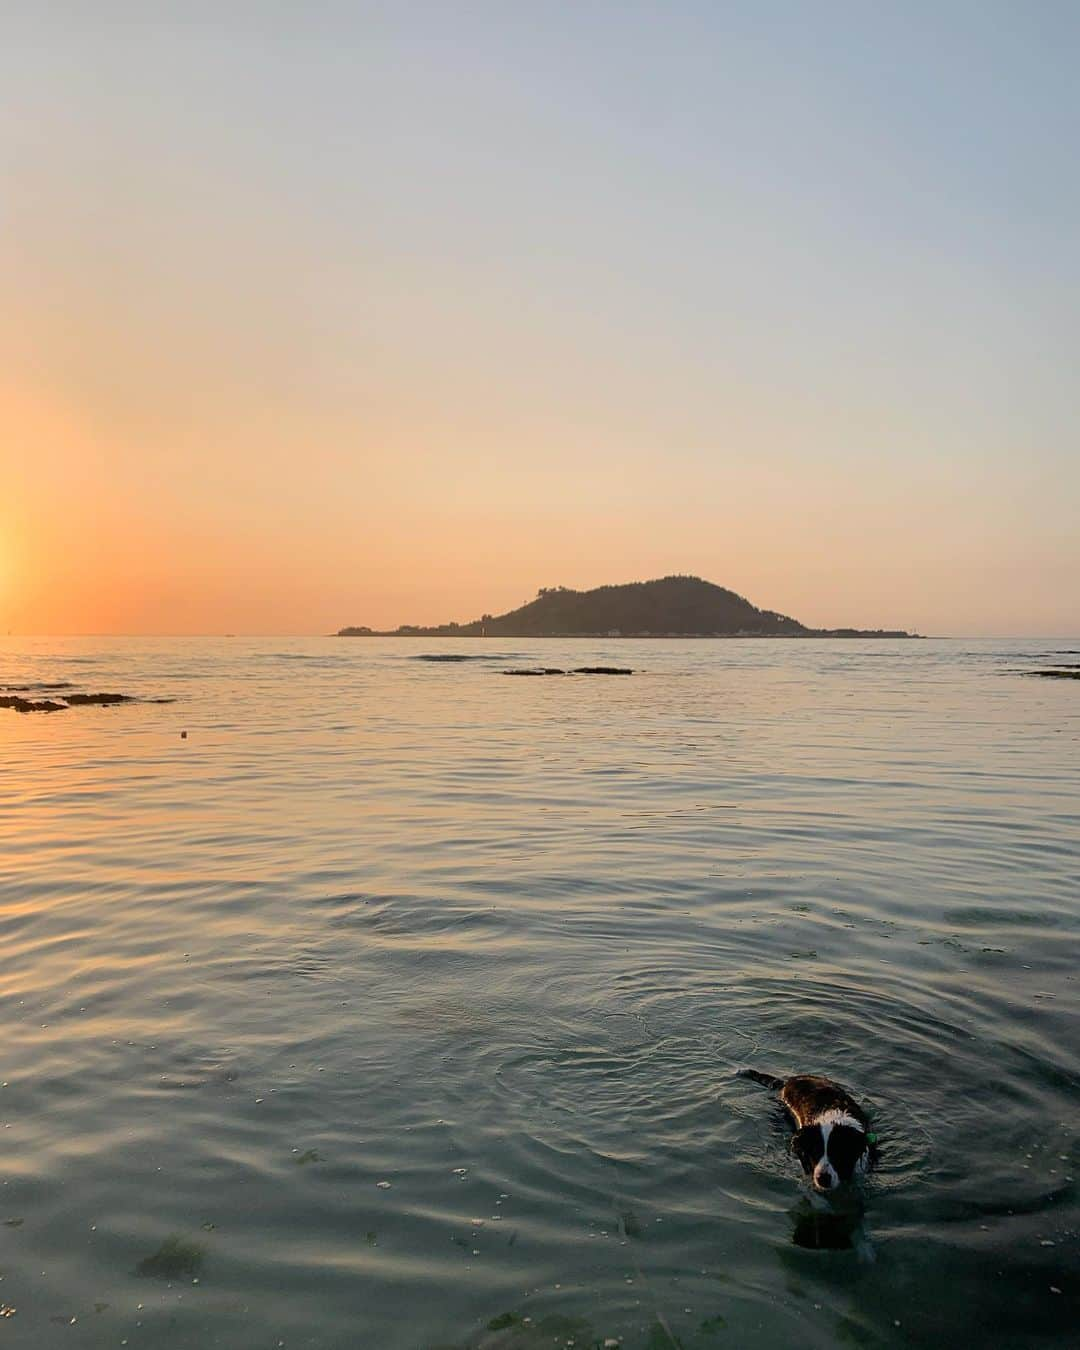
[871,1138]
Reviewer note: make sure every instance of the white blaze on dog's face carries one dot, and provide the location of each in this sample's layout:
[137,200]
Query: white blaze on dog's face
[831,1150]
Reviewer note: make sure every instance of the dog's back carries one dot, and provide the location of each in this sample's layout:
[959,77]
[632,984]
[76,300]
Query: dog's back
[809,1098]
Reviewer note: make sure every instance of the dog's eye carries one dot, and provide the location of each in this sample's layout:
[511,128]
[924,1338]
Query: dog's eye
[845,1146]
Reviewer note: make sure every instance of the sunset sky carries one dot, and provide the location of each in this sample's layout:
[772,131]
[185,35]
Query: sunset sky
[356,313]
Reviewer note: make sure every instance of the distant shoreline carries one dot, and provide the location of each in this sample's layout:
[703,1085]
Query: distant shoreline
[864,635]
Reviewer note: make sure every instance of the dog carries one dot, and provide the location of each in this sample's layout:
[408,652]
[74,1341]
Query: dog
[832,1140]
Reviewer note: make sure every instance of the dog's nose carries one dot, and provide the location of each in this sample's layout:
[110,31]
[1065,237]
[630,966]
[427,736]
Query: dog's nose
[823,1179]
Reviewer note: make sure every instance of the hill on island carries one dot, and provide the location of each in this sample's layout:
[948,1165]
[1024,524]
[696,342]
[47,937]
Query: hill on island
[674,606]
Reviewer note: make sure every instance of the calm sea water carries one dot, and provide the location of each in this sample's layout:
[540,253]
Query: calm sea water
[399,1005]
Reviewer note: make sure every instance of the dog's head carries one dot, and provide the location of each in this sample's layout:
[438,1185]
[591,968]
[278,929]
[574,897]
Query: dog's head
[830,1152]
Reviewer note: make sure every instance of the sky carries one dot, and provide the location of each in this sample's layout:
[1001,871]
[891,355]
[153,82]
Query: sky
[394,313]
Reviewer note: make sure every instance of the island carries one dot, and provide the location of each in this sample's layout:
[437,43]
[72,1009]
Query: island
[675,606]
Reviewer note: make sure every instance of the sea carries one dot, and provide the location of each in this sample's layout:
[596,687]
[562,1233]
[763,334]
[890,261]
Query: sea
[359,1000]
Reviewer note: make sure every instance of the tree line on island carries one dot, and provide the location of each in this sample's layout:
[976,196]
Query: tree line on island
[675,606]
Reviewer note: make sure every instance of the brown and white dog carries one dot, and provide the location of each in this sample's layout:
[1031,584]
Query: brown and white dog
[832,1138]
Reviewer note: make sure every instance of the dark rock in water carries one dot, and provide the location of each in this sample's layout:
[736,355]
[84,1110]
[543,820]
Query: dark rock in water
[520,1331]
[102,699]
[15,700]
[40,687]
[462,656]
[175,1257]
[578,670]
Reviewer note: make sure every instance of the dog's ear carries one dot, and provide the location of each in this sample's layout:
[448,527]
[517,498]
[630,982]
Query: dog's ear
[808,1145]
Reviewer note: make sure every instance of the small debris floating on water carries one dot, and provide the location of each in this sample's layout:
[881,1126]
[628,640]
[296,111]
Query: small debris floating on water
[383,1185]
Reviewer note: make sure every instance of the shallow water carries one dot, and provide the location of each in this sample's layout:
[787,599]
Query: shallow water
[502,944]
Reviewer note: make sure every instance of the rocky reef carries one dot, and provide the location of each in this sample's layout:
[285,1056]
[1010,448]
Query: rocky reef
[61,695]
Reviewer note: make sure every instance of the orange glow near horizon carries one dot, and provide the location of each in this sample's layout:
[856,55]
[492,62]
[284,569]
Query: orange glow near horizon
[96,541]
[85,550]
[93,542]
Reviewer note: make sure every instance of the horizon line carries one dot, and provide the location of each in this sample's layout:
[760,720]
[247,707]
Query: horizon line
[598,637]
